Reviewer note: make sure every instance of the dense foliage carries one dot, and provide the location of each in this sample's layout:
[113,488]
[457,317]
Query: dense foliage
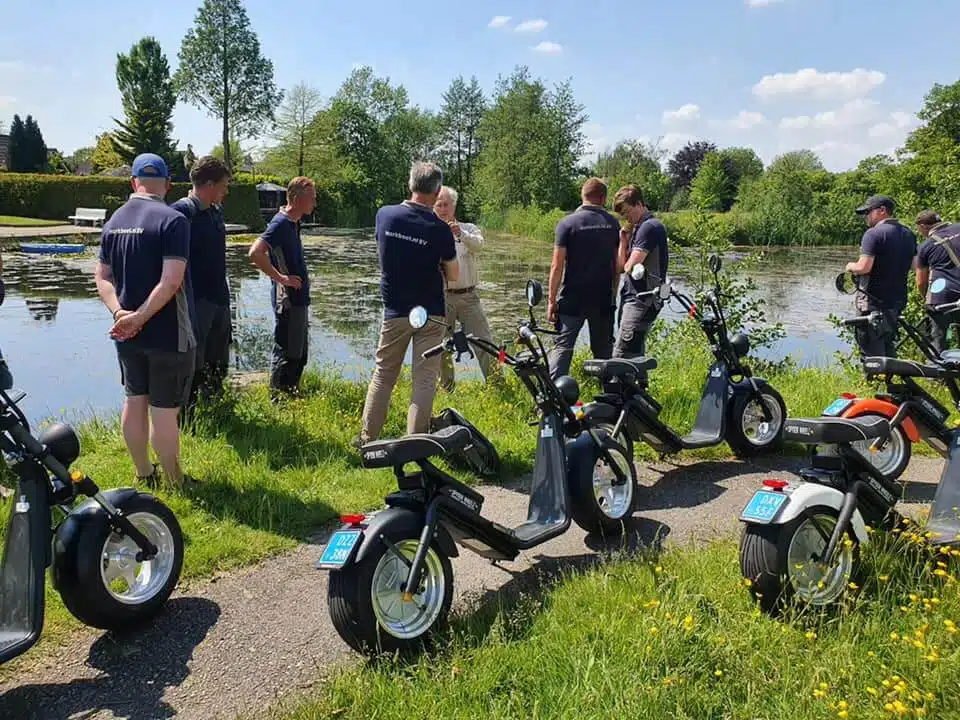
[27,151]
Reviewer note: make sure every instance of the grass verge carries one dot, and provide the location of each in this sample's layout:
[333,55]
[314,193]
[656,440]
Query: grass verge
[677,636]
[14,221]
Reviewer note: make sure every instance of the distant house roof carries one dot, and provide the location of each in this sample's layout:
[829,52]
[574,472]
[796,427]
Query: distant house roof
[270,187]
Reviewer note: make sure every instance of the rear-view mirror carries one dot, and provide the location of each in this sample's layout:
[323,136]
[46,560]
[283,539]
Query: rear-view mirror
[534,293]
[846,283]
[418,317]
[715,263]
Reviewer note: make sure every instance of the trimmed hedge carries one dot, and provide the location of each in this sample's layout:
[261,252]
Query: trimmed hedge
[56,197]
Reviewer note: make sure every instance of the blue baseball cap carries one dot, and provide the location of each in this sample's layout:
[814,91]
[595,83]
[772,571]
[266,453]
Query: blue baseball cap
[148,165]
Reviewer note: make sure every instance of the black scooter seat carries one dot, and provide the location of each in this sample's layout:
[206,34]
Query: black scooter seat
[618,367]
[902,368]
[410,448]
[834,431]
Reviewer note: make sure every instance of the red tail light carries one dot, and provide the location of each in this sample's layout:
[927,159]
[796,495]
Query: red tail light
[693,311]
[848,396]
[502,356]
[352,519]
[775,484]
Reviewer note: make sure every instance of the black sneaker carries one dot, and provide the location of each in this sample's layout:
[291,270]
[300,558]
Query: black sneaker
[152,480]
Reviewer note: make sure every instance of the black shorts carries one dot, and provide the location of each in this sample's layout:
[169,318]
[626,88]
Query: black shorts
[162,375]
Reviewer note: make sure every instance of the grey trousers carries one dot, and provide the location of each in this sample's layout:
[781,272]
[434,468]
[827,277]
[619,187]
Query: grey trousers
[600,323]
[466,308]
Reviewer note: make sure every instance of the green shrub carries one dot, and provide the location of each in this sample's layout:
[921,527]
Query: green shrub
[731,227]
[56,197]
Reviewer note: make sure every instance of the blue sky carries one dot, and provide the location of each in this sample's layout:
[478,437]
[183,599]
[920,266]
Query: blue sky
[843,77]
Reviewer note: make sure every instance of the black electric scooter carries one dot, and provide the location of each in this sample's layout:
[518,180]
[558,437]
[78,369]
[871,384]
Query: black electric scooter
[918,414]
[114,559]
[744,410]
[391,581]
[802,540]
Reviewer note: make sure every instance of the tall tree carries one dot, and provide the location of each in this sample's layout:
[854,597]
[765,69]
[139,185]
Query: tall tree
[565,120]
[712,188]
[741,163]
[459,119]
[18,152]
[294,123]
[683,166]
[222,71]
[148,98]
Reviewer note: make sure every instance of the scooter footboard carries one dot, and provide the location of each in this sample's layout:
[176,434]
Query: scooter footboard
[22,572]
[799,498]
[944,520]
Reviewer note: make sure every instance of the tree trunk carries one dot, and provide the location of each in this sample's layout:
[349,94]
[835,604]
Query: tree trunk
[303,141]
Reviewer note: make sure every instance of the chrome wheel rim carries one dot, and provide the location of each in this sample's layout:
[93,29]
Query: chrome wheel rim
[613,500]
[128,580]
[812,582]
[757,430]
[889,458]
[407,619]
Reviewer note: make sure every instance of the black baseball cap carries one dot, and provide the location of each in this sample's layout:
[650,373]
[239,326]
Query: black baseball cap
[873,202]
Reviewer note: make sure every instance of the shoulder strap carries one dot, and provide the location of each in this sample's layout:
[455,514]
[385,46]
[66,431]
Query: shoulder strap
[944,242]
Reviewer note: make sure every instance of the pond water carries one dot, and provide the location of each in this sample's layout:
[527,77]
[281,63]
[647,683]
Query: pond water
[53,328]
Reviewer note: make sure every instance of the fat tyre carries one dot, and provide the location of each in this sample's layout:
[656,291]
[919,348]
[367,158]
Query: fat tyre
[349,596]
[586,510]
[764,559]
[77,569]
[737,439]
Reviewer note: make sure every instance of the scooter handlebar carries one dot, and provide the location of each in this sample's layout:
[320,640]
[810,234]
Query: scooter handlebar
[948,307]
[437,349]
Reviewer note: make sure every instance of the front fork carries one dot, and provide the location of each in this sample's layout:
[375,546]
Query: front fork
[758,396]
[419,557]
[118,521]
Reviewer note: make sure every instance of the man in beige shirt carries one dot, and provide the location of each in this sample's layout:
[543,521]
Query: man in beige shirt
[461,296]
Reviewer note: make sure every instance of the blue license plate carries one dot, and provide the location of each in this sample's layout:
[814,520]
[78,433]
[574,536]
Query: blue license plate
[338,550]
[763,506]
[838,406]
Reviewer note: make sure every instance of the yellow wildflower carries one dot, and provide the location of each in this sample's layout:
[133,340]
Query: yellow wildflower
[842,705]
[873,691]
[843,714]
[718,672]
[884,578]
[810,635]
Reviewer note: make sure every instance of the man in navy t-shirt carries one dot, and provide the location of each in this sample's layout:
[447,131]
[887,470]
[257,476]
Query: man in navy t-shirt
[939,259]
[417,252]
[583,277]
[141,278]
[647,248]
[207,270]
[278,253]
[887,252]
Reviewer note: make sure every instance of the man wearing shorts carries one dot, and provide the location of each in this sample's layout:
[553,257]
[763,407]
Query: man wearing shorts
[141,278]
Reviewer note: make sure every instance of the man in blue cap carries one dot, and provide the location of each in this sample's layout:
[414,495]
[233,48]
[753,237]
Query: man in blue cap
[887,252]
[142,279]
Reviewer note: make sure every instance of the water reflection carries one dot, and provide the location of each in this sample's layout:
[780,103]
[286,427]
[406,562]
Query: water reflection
[53,327]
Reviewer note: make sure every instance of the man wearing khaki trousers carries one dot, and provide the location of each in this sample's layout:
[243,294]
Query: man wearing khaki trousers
[417,253]
[462,297]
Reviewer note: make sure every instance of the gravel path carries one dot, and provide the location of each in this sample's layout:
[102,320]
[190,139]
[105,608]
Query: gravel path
[242,642]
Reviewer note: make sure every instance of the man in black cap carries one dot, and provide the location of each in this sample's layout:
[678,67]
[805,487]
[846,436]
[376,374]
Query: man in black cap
[939,259]
[887,252]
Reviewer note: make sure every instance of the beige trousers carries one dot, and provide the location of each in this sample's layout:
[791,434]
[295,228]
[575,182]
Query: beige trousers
[395,337]
[466,308]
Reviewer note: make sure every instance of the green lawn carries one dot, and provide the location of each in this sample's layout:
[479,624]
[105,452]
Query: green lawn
[14,221]
[678,637]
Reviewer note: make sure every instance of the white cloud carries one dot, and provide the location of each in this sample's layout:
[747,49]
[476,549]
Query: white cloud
[853,114]
[896,125]
[760,3]
[499,21]
[548,48]
[673,141]
[6,100]
[812,83]
[747,119]
[682,114]
[531,26]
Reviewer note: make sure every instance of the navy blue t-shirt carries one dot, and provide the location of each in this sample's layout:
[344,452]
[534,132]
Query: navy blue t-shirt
[136,240]
[892,246]
[934,255]
[286,255]
[650,235]
[591,237]
[208,250]
[412,242]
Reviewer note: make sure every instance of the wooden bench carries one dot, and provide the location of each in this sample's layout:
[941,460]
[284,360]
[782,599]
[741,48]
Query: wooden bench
[93,215]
